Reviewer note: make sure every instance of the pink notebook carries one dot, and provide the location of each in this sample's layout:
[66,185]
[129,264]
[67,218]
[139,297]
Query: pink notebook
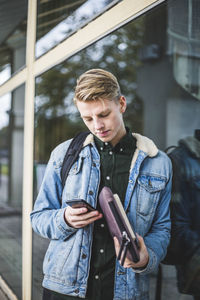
[119,225]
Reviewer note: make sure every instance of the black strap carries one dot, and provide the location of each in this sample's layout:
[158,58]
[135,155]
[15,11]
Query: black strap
[124,247]
[72,154]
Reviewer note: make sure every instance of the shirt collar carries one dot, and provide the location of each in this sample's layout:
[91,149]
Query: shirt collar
[126,144]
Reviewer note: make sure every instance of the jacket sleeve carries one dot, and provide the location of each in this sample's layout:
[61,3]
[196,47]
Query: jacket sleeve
[47,217]
[158,237]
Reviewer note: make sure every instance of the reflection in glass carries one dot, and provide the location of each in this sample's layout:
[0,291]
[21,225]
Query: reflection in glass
[186,212]
[12,37]
[58,19]
[141,55]
[184,42]
[5,106]
[11,166]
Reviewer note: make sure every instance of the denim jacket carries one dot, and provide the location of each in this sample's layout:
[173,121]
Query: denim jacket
[67,260]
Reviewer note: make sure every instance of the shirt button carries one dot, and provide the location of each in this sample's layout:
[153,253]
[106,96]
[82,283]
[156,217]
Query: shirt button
[110,152]
[121,150]
[101,251]
[101,148]
[96,276]
[108,177]
[102,225]
[106,143]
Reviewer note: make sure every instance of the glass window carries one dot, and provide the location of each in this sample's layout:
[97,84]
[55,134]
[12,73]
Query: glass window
[11,168]
[56,20]
[13,25]
[156,60]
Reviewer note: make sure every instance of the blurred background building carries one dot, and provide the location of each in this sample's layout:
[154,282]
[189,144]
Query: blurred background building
[153,48]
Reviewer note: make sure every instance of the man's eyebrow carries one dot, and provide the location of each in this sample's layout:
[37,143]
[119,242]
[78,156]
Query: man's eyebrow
[101,113]
[85,117]
[82,116]
[105,111]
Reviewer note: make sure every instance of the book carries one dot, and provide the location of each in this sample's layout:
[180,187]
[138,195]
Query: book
[119,225]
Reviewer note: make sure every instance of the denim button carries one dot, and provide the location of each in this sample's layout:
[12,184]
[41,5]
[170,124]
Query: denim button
[76,291]
[91,193]
[84,255]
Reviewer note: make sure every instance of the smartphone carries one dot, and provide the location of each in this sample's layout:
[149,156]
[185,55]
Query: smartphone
[80,203]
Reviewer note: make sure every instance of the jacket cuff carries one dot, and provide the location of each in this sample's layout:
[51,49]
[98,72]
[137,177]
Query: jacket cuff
[152,263]
[65,229]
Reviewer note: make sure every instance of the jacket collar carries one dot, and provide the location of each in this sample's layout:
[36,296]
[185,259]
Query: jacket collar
[143,144]
[146,145]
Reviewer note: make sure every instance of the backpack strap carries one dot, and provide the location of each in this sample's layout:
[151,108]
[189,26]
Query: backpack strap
[72,154]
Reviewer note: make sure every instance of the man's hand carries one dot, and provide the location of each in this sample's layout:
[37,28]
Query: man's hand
[80,217]
[144,256]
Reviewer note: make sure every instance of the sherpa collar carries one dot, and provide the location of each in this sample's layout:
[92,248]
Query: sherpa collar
[146,145]
[143,143]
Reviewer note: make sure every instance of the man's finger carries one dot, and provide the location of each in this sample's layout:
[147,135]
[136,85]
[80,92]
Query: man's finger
[83,223]
[85,216]
[77,211]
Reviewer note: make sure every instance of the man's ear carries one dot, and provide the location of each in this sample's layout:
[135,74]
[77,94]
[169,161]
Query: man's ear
[122,103]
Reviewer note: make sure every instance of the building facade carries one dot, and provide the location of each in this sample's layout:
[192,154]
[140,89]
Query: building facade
[152,46]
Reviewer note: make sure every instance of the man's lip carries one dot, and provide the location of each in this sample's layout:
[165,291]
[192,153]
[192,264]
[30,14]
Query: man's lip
[102,132]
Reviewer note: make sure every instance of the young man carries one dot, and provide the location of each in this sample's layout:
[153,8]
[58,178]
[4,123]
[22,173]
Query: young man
[81,259]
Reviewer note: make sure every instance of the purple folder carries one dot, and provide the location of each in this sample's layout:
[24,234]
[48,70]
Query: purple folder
[119,225]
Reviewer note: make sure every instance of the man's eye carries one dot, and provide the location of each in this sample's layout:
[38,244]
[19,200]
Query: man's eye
[105,115]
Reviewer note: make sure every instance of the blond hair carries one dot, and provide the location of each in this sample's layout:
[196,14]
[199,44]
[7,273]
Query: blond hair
[97,84]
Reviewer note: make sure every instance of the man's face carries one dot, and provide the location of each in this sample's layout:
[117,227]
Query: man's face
[104,118]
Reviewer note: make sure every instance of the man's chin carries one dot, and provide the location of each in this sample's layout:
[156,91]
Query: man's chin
[103,139]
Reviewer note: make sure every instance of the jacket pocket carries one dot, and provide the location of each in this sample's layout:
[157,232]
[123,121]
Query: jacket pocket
[148,191]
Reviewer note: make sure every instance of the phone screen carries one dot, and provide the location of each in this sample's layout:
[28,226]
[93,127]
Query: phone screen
[80,203]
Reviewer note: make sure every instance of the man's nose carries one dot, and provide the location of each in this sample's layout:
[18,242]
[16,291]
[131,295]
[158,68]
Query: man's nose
[98,124]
